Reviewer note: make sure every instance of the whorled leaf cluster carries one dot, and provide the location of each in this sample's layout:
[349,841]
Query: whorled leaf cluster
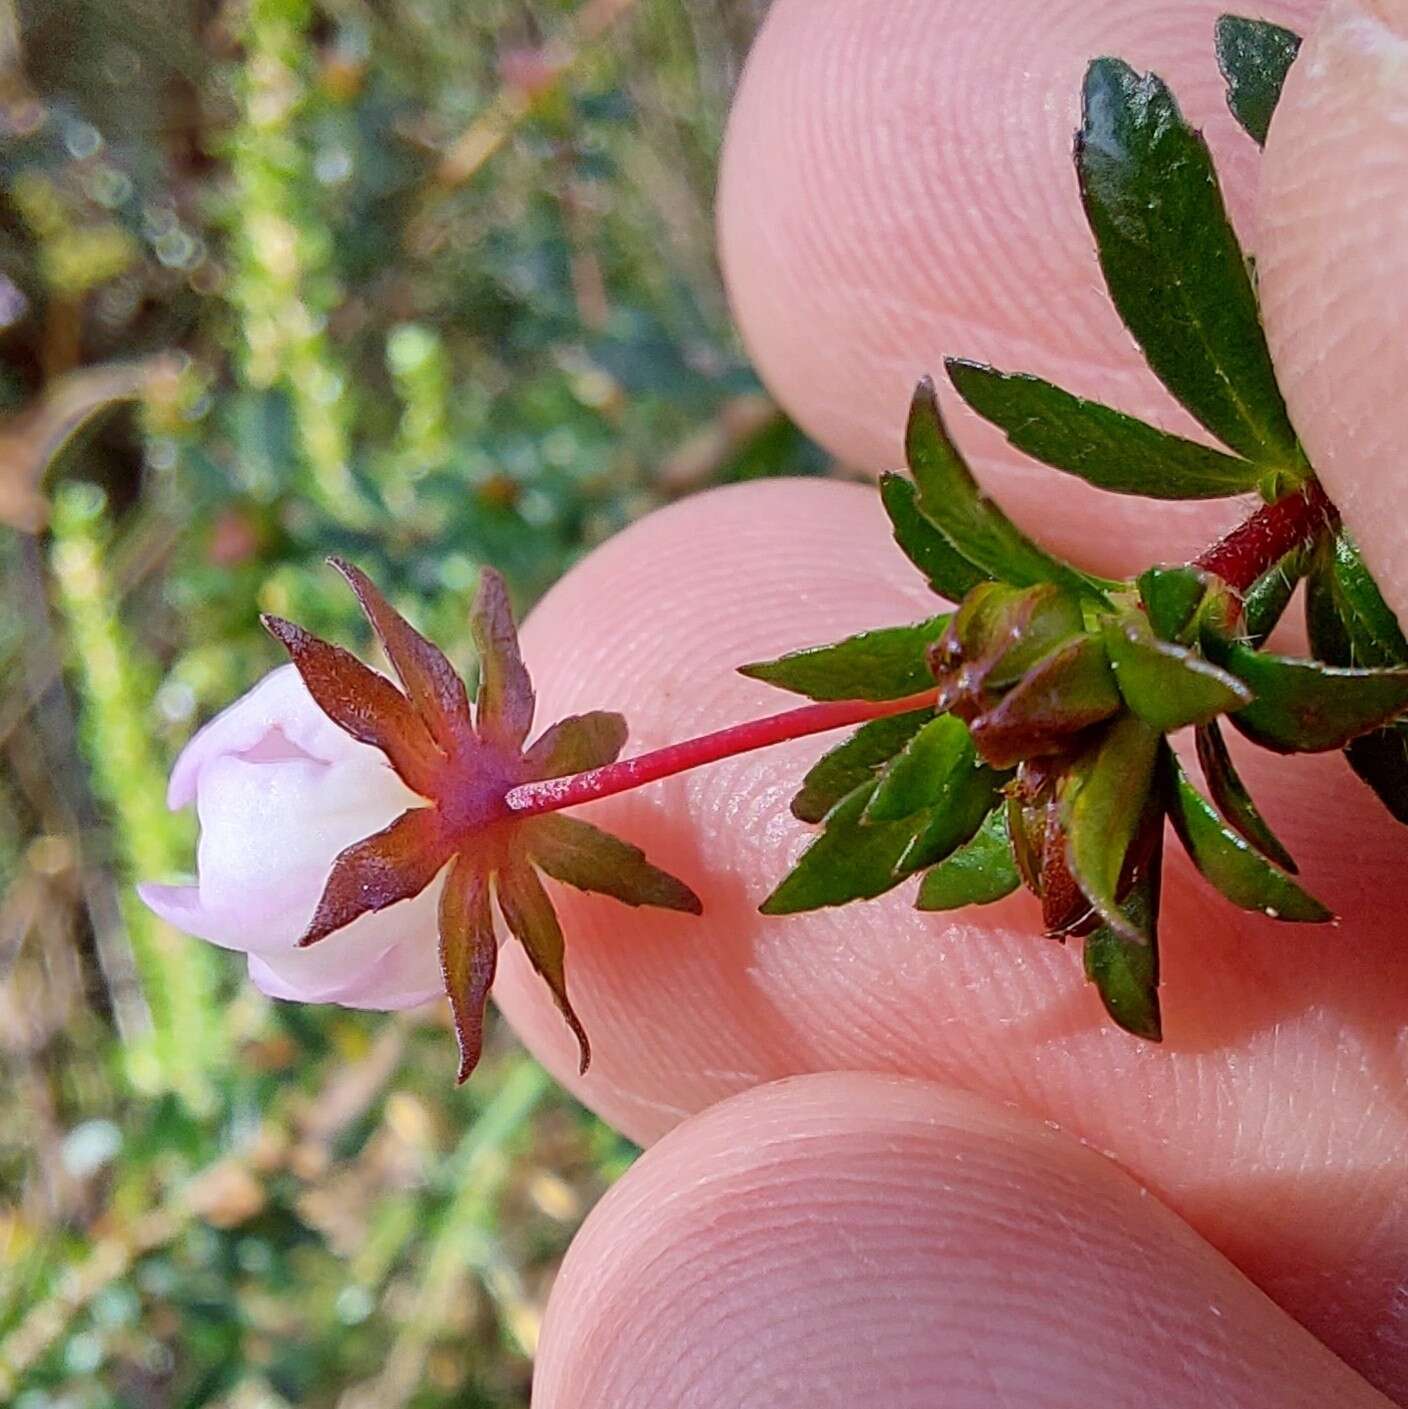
[1043,758]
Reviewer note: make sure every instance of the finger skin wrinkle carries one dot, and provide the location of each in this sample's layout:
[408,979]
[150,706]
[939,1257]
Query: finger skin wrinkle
[844,1239]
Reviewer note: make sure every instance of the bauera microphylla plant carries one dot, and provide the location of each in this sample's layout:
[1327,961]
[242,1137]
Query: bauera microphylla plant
[1020,739]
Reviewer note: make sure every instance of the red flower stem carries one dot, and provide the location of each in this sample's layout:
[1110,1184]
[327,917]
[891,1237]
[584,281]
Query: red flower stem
[1255,546]
[552,794]
[1239,559]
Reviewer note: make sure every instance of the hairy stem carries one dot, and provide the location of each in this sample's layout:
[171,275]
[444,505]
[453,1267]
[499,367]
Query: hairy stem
[552,794]
[1256,546]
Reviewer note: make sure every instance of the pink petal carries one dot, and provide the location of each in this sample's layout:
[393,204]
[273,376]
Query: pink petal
[279,709]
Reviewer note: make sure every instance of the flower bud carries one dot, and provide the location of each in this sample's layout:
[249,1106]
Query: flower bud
[280,791]
[1018,666]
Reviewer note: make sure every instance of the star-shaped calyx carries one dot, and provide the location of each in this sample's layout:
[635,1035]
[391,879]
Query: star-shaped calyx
[464,762]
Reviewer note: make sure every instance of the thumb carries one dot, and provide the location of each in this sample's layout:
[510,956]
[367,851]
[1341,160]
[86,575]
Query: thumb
[1333,262]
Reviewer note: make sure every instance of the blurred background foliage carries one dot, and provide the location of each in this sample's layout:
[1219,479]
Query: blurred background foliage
[430,283]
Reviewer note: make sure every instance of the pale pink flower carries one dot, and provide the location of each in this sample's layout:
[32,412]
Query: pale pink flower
[356,834]
[280,791]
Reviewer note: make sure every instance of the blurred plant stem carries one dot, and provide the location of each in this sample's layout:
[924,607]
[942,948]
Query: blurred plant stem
[517,99]
[281,291]
[177,976]
[477,1171]
[420,373]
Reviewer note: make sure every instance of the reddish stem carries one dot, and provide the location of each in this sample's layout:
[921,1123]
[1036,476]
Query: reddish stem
[1239,559]
[1255,546]
[552,794]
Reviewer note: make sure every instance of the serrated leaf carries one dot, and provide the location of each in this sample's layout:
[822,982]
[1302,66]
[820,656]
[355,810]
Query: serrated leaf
[1265,601]
[854,762]
[949,496]
[583,856]
[469,954]
[1126,971]
[850,860]
[1069,690]
[945,569]
[1304,706]
[916,777]
[528,912]
[1167,685]
[1238,870]
[1232,798]
[979,872]
[1096,443]
[886,664]
[1173,264]
[574,744]
[1103,798]
[1254,57]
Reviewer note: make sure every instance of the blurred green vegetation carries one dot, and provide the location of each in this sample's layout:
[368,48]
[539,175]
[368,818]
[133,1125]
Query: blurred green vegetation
[431,284]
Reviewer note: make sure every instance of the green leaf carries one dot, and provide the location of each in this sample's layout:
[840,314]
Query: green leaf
[574,744]
[854,762]
[1173,264]
[1229,861]
[888,664]
[969,794]
[854,859]
[1124,970]
[1381,760]
[1100,445]
[528,912]
[1175,599]
[1103,798]
[1167,685]
[850,860]
[1254,56]
[977,873]
[1302,706]
[1069,690]
[1265,601]
[949,497]
[917,777]
[1348,619]
[1351,624]
[1232,798]
[583,856]
[945,569]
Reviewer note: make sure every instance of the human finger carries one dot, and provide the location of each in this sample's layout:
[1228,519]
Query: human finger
[846,1239]
[1272,1118]
[897,187]
[1334,268]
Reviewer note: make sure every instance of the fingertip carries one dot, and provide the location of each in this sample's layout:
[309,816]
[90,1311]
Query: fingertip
[1333,269]
[843,1239]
